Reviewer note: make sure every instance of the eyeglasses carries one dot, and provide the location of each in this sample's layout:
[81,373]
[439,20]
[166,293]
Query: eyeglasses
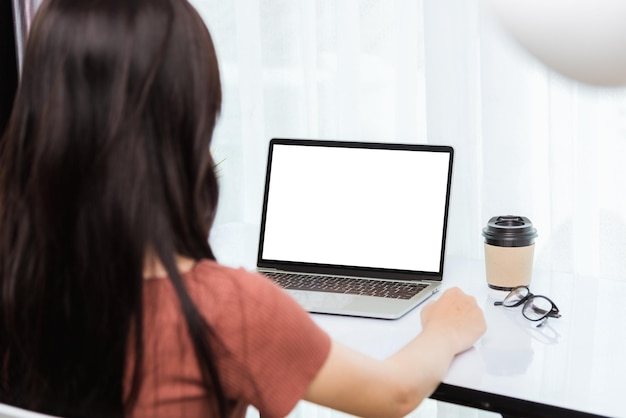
[536,307]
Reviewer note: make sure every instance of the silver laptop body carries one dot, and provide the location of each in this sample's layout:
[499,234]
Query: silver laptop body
[366,211]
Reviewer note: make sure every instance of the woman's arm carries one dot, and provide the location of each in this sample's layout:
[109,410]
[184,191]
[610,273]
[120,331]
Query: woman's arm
[352,382]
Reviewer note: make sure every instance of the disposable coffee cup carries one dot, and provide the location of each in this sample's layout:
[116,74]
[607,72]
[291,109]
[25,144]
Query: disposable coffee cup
[509,251]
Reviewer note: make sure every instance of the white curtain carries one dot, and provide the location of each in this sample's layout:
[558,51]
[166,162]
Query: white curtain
[528,141]
[311,69]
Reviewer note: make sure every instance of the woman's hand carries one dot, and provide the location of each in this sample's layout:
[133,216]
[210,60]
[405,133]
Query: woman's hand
[457,315]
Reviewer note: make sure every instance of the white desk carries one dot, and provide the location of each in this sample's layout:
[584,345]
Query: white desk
[572,366]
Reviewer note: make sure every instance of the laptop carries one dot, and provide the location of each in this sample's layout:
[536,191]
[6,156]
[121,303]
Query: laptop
[355,228]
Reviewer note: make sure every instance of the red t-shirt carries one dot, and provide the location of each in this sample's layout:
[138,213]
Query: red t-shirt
[269,350]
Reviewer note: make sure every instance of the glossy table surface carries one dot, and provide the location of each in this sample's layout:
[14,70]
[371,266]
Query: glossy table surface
[573,365]
[575,362]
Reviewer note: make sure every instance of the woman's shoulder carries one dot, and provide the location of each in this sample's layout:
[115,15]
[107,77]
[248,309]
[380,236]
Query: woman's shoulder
[211,273]
[212,282]
[263,332]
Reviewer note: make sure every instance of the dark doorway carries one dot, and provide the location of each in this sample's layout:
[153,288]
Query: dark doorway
[8,62]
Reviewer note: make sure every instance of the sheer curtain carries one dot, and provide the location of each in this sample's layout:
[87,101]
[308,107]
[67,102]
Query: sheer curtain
[527,140]
[310,69]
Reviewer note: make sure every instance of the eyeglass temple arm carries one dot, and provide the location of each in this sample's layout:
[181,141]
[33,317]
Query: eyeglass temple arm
[554,312]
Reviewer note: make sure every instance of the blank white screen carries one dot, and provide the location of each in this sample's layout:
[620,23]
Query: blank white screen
[356,207]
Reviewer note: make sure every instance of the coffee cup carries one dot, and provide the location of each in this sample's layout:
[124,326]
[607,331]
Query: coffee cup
[509,251]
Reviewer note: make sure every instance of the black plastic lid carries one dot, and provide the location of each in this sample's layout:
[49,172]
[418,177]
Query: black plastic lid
[509,231]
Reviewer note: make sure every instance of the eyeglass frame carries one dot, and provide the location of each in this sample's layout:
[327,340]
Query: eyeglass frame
[554,311]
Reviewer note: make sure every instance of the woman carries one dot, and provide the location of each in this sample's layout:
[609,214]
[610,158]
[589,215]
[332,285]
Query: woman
[112,303]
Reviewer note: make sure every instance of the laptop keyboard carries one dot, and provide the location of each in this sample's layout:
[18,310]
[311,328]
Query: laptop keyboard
[347,285]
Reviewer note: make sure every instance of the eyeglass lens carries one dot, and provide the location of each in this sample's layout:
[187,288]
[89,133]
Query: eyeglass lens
[516,297]
[537,308]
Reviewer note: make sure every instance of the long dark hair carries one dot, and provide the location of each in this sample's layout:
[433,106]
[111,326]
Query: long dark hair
[105,161]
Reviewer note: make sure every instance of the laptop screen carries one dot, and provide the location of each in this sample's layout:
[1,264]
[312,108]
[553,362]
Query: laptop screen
[374,206]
